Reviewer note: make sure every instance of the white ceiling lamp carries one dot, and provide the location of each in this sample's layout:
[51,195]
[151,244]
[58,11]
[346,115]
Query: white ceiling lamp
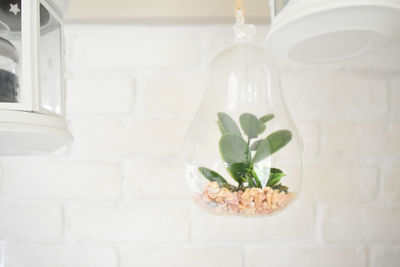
[32,85]
[330,31]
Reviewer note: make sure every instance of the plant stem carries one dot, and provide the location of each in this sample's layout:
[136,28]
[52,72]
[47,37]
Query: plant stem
[248,149]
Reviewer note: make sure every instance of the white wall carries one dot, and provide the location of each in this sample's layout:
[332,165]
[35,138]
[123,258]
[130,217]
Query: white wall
[161,10]
[117,197]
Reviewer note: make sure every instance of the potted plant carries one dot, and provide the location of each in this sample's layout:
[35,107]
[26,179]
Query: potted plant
[241,154]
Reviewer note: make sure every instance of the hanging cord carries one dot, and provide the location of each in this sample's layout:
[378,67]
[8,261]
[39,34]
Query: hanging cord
[243,32]
[239,12]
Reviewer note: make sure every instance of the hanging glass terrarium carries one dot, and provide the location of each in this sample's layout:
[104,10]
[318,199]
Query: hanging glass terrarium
[243,152]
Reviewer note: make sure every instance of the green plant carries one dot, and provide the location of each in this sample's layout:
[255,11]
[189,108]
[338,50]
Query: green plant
[240,156]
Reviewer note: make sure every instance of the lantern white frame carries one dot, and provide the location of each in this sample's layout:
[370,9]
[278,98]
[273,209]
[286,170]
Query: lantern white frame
[28,117]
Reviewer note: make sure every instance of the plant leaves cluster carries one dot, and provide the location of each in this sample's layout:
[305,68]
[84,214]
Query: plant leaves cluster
[240,155]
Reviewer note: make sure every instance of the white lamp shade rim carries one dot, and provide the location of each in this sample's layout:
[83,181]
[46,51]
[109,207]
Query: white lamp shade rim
[329,31]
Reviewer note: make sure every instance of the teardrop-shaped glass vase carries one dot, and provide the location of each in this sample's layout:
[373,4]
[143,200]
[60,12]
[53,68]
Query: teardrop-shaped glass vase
[243,152]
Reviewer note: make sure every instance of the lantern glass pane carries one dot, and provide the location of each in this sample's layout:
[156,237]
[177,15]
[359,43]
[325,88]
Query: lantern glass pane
[50,62]
[10,50]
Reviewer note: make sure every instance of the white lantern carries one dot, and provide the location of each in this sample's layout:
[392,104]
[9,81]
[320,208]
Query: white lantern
[32,84]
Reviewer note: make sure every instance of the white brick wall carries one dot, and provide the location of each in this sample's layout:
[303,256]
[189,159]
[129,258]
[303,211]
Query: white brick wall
[125,48]
[59,179]
[306,256]
[209,228]
[181,256]
[27,221]
[138,222]
[395,98]
[117,198]
[391,185]
[339,185]
[385,256]
[108,94]
[56,255]
[158,93]
[360,224]
[115,139]
[352,96]
[364,140]
[137,177]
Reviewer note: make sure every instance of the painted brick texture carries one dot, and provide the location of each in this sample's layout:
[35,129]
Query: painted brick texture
[117,196]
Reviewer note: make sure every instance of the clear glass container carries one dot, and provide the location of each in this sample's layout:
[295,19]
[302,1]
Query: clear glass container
[9,82]
[243,151]
[10,41]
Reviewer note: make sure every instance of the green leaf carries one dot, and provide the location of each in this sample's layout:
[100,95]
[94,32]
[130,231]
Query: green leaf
[279,139]
[250,180]
[221,128]
[238,171]
[267,118]
[251,126]
[271,144]
[256,178]
[275,170]
[281,188]
[233,149]
[275,178]
[262,129]
[213,176]
[227,125]
[255,145]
